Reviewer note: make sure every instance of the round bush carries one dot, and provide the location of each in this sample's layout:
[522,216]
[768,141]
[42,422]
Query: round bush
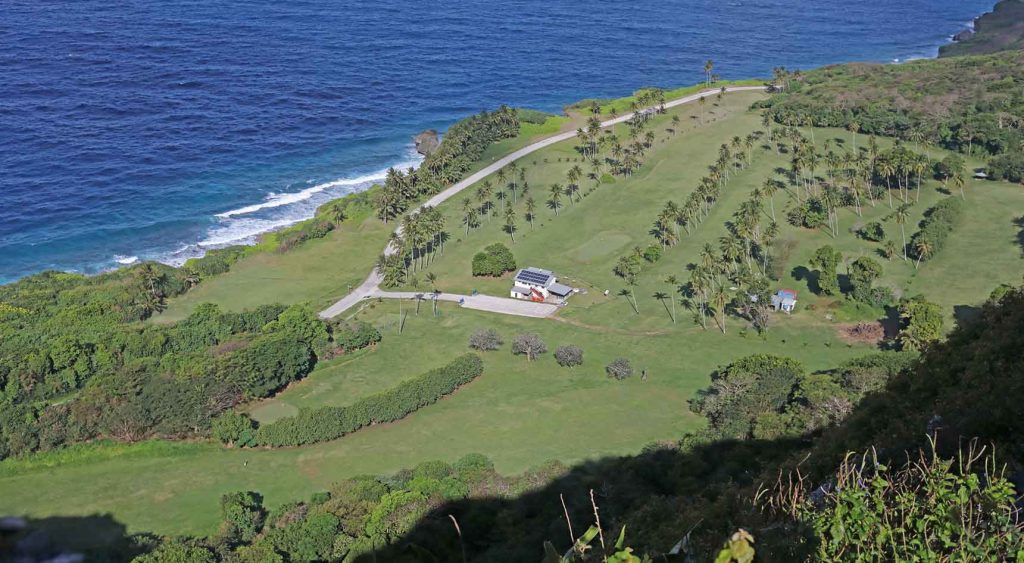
[485,340]
[569,356]
[619,369]
[529,345]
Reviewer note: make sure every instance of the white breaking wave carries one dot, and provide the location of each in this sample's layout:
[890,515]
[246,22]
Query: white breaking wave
[125,259]
[241,226]
[243,231]
[280,200]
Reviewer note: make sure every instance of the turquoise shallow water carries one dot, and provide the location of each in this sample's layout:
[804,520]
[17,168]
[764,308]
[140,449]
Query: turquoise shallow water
[157,129]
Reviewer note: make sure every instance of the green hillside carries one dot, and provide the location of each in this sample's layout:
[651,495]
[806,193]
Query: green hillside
[855,187]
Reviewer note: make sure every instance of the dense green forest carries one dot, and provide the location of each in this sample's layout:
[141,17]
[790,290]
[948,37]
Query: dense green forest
[969,104]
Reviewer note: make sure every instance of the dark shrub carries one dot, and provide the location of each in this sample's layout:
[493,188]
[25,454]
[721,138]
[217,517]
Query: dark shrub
[873,231]
[485,340]
[216,261]
[569,356]
[269,363]
[619,369]
[353,335]
[233,428]
[1009,167]
[495,260]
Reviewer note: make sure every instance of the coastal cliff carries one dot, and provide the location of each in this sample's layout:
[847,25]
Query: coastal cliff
[1002,29]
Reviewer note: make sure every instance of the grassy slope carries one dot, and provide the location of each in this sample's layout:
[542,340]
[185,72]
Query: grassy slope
[517,413]
[317,271]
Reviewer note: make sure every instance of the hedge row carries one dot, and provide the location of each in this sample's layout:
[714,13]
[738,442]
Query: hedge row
[937,225]
[327,423]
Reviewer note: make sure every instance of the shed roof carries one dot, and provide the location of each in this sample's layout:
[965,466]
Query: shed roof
[559,289]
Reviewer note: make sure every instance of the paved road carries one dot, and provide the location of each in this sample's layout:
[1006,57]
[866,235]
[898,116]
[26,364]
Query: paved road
[503,305]
[372,284]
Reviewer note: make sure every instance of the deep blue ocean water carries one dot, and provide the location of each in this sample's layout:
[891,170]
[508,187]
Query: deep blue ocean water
[154,129]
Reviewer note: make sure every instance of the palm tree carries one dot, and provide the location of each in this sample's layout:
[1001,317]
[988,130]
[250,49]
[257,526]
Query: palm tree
[901,215]
[153,279]
[720,298]
[889,249]
[923,248]
[469,214]
[959,182]
[531,210]
[501,176]
[483,195]
[674,283]
[570,191]
[708,67]
[853,127]
[769,188]
[510,223]
[556,197]
[432,279]
[887,168]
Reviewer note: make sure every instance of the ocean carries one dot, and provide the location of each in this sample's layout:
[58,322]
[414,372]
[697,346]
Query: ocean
[154,130]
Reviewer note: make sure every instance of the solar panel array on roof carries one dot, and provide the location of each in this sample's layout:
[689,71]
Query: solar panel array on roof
[533,277]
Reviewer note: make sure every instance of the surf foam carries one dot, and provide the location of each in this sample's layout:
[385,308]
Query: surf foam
[280,200]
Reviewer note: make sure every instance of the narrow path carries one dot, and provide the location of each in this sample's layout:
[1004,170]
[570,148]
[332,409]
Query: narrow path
[489,303]
[371,286]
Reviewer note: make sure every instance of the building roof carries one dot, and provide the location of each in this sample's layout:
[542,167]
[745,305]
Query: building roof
[522,290]
[559,289]
[535,276]
[787,294]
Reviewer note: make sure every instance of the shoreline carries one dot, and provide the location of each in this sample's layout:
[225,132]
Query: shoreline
[273,200]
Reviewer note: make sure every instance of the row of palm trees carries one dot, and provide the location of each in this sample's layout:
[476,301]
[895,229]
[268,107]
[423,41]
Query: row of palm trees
[421,238]
[463,144]
[710,285]
[732,157]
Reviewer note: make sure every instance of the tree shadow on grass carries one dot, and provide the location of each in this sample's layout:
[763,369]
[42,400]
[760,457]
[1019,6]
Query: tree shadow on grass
[97,537]
[801,273]
[965,313]
[1019,223]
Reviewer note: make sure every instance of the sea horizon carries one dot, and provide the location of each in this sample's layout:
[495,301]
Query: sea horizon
[180,134]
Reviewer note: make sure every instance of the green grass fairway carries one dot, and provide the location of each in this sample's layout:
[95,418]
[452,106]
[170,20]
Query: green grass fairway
[518,413]
[318,271]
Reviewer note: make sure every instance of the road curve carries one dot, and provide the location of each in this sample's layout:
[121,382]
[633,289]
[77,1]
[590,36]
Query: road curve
[371,285]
